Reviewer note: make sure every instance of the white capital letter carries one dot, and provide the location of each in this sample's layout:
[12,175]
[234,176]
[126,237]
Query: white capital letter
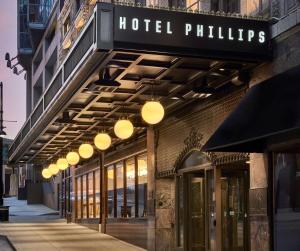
[220,33]
[135,24]
[188,28]
[250,35]
[230,37]
[147,21]
[241,35]
[169,31]
[158,26]
[199,30]
[210,31]
[122,23]
[262,37]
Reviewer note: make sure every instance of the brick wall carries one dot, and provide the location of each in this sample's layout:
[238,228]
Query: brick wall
[171,134]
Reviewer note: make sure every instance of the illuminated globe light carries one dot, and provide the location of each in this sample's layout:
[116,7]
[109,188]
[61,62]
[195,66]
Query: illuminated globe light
[53,169]
[102,141]
[73,158]
[46,173]
[62,164]
[123,129]
[86,151]
[153,112]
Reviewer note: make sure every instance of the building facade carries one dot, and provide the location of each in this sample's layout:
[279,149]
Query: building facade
[219,172]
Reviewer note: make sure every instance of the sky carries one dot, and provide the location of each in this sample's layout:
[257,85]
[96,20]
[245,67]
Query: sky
[14,93]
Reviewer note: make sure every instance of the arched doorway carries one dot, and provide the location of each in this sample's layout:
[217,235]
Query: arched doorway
[195,203]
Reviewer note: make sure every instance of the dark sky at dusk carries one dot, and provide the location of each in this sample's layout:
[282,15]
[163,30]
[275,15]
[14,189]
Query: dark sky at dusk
[14,86]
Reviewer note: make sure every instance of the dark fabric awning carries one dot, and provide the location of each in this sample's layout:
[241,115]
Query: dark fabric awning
[267,115]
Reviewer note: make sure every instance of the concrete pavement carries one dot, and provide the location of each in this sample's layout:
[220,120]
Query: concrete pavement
[46,232]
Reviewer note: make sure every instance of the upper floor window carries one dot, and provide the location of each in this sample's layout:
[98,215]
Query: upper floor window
[66,26]
[232,6]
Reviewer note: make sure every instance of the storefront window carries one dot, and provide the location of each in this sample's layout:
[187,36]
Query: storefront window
[110,191]
[130,190]
[97,193]
[120,189]
[78,187]
[84,193]
[142,185]
[91,194]
[287,201]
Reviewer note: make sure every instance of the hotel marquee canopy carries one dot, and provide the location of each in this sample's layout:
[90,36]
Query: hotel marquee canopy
[185,56]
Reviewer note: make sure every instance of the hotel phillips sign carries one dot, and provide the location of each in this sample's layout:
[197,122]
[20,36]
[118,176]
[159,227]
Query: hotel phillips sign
[196,34]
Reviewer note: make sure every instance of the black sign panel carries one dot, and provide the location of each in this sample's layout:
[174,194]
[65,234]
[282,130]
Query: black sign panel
[192,33]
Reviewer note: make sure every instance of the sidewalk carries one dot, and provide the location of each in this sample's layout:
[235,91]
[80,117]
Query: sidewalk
[39,232]
[19,211]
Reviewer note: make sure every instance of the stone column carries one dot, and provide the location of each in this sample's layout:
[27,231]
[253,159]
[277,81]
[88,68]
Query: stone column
[258,215]
[151,188]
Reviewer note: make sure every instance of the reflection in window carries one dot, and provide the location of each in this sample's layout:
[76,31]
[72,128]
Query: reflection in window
[97,193]
[91,195]
[142,185]
[120,189]
[72,197]
[110,191]
[287,201]
[130,191]
[78,184]
[84,193]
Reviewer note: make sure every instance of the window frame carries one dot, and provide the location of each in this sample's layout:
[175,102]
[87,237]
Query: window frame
[136,184]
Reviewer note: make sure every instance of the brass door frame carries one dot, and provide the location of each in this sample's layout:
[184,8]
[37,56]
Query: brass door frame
[237,168]
[184,172]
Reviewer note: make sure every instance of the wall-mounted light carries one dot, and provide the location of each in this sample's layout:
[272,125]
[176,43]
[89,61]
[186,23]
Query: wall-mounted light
[123,129]
[153,112]
[102,141]
[73,158]
[86,151]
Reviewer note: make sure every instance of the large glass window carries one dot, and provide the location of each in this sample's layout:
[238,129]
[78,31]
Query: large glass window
[91,194]
[287,201]
[120,189]
[97,193]
[130,188]
[142,185]
[84,197]
[110,191]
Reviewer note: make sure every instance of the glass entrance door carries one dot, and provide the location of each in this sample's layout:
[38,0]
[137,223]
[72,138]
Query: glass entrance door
[196,211]
[234,188]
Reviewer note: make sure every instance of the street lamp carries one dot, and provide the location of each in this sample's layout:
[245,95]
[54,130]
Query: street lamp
[2,133]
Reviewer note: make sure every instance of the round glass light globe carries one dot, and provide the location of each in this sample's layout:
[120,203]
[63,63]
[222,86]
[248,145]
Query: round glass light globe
[86,151]
[46,173]
[53,168]
[153,112]
[123,129]
[102,141]
[62,164]
[73,158]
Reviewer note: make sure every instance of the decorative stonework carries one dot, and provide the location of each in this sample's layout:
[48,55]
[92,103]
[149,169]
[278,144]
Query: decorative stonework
[163,200]
[193,142]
